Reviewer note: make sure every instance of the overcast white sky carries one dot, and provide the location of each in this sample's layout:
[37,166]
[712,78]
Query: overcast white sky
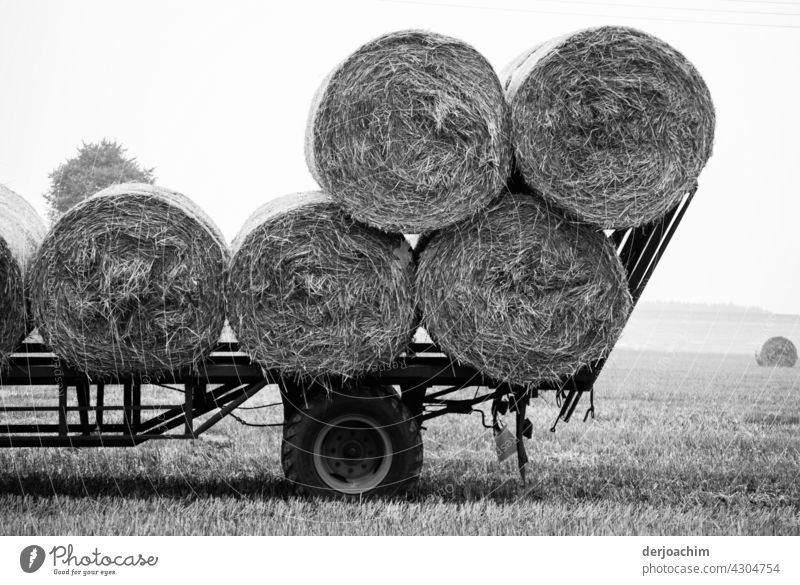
[215,95]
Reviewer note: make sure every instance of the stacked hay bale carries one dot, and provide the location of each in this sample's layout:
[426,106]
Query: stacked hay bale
[312,292]
[777,352]
[610,124]
[521,293]
[413,134]
[131,281]
[410,133]
[610,128]
[21,233]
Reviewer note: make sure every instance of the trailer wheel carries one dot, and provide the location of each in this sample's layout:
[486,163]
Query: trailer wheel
[365,443]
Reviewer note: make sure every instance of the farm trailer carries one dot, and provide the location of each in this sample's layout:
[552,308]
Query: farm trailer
[345,438]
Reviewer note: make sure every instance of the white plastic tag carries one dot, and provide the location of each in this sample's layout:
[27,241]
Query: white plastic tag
[504,441]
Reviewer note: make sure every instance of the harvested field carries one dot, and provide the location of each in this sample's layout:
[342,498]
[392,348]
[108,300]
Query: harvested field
[659,459]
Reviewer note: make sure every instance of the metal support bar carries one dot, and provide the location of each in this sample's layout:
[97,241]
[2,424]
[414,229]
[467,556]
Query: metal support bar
[570,404]
[173,418]
[100,400]
[127,402]
[136,396]
[247,393]
[82,392]
[89,408]
[444,392]
[641,274]
[188,407]
[226,397]
[63,429]
[199,397]
[522,454]
[457,406]
[414,398]
[55,429]
[83,441]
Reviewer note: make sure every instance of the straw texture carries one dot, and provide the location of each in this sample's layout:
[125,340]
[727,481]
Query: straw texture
[777,352]
[521,293]
[313,293]
[21,233]
[610,124]
[131,281]
[410,133]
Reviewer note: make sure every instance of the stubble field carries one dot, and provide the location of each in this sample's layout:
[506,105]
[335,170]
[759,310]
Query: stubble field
[696,443]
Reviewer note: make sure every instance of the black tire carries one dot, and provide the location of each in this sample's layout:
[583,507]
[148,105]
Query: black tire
[358,442]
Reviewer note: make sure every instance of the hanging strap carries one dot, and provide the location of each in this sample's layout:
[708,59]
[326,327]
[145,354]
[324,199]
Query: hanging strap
[590,410]
[567,407]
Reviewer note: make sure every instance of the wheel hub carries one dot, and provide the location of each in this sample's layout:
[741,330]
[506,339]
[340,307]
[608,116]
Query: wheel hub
[352,454]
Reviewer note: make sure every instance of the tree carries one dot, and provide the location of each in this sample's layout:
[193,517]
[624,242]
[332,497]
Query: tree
[96,166]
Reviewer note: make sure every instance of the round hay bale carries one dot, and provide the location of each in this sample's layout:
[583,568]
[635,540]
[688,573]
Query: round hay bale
[131,281]
[21,232]
[411,132]
[313,293]
[777,352]
[611,124]
[522,294]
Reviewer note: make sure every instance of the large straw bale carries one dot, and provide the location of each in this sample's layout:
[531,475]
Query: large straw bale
[131,281]
[21,233]
[411,132]
[521,293]
[313,293]
[777,352]
[610,124]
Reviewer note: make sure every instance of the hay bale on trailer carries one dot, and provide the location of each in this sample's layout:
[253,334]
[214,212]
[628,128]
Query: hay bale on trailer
[21,232]
[411,132]
[521,293]
[611,124]
[131,281]
[777,352]
[312,293]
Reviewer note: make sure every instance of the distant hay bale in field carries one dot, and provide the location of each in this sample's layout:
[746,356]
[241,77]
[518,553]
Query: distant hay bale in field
[411,132]
[611,124]
[313,293]
[777,351]
[21,232]
[522,294]
[131,281]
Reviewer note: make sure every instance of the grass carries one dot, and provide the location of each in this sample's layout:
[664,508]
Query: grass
[682,444]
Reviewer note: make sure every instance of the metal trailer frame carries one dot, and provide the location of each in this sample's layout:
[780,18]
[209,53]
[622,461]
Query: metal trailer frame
[228,378]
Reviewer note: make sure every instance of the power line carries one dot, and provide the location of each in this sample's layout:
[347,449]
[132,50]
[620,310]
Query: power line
[764,2]
[674,8]
[593,15]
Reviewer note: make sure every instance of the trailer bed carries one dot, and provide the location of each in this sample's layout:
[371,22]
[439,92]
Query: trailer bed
[425,378]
